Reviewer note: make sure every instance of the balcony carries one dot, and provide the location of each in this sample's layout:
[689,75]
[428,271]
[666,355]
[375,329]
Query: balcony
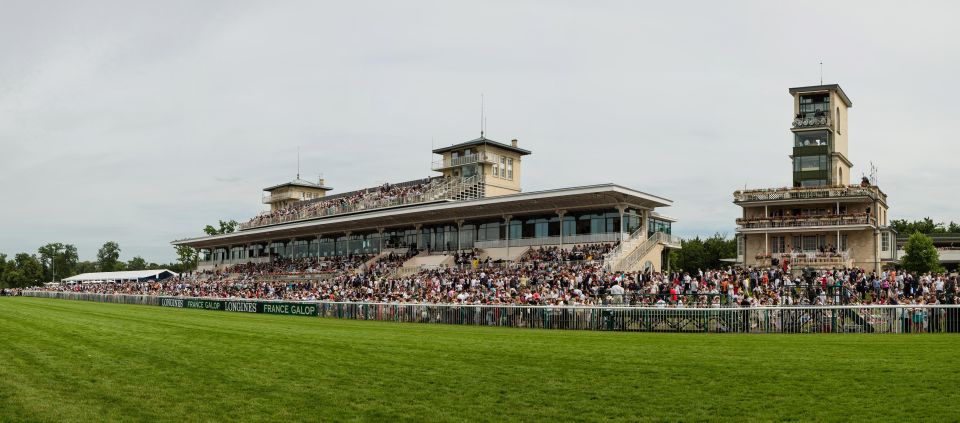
[815,221]
[811,122]
[810,193]
[461,161]
[273,198]
[807,259]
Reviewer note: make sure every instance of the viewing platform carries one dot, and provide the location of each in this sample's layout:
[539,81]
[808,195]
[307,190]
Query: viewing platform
[807,222]
[826,260]
[832,193]
[440,165]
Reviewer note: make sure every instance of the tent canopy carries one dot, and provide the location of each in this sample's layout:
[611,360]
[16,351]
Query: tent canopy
[131,275]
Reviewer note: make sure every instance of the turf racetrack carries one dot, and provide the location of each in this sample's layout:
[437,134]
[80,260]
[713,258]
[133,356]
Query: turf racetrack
[79,361]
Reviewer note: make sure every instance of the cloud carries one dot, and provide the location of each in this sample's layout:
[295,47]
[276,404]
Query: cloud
[142,123]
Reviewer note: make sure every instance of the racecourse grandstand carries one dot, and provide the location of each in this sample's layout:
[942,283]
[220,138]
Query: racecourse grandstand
[474,207]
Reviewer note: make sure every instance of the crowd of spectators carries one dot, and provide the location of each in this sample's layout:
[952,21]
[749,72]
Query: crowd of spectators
[383,196]
[544,276]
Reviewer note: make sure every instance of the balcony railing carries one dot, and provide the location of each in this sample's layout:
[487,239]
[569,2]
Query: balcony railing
[840,258]
[462,160]
[828,193]
[811,122]
[272,198]
[805,221]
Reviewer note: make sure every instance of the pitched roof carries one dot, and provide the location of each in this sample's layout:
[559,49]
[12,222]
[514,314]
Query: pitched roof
[483,141]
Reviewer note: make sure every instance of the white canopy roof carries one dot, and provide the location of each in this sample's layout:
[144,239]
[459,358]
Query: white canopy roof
[130,275]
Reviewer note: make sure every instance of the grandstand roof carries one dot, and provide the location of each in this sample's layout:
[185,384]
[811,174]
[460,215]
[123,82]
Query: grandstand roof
[570,199]
[130,275]
[483,141]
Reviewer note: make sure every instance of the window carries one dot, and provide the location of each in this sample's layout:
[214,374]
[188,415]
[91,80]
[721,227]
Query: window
[503,167]
[814,103]
[778,244]
[885,241]
[740,245]
[811,139]
[810,163]
[496,166]
[843,243]
[510,169]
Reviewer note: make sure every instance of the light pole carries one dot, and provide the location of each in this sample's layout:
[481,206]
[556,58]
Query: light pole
[53,264]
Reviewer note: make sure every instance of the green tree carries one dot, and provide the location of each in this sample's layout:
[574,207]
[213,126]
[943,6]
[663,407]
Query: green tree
[86,267]
[3,271]
[920,255]
[227,227]
[702,254]
[137,263]
[924,226]
[108,257]
[28,272]
[186,258]
[58,258]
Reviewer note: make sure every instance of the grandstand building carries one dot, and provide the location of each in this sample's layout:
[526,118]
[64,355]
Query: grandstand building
[820,221]
[474,203]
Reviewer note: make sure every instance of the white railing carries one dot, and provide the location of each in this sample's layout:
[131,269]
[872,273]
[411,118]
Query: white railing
[807,122]
[630,261]
[626,243]
[835,192]
[271,198]
[462,160]
[805,221]
[616,316]
[811,258]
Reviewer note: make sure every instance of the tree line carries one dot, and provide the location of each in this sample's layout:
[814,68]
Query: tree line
[55,261]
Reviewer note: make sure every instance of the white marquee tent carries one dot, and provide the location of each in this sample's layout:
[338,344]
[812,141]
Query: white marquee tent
[131,275]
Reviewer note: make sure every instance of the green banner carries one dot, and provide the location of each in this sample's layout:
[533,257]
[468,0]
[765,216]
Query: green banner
[268,307]
[172,302]
[240,306]
[204,304]
[293,309]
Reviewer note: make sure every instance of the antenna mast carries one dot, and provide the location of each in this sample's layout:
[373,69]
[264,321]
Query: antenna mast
[821,72]
[482,119]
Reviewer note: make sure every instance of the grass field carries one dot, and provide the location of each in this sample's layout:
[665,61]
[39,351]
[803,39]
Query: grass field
[78,361]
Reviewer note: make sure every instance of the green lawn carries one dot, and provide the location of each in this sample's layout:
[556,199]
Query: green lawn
[79,361]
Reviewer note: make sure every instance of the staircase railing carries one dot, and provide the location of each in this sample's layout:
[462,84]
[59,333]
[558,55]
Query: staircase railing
[629,240]
[657,238]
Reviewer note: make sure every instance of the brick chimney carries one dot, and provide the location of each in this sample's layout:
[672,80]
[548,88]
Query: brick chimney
[513,142]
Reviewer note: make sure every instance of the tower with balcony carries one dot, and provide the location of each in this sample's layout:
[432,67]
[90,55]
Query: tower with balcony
[820,220]
[286,194]
[495,166]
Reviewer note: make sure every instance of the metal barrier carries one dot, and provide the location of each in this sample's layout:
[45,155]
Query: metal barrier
[100,298]
[799,319]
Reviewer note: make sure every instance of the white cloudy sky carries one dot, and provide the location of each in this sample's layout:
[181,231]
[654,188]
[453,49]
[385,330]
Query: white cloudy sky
[141,122]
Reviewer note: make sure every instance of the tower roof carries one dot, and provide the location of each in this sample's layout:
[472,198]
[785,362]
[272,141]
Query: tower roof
[483,141]
[299,183]
[829,87]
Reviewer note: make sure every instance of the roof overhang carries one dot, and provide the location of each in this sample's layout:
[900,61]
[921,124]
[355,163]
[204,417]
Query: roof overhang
[568,199]
[299,184]
[483,141]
